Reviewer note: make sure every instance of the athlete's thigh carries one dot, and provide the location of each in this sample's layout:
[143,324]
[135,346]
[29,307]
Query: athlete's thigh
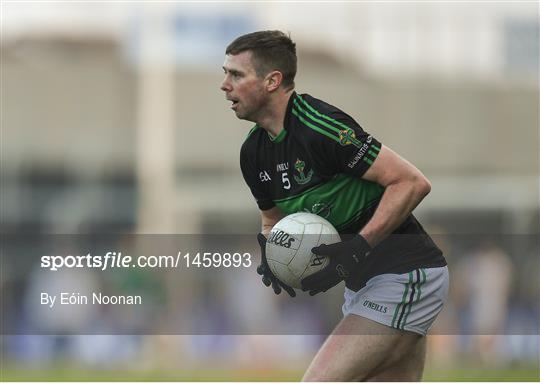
[358,349]
[409,368]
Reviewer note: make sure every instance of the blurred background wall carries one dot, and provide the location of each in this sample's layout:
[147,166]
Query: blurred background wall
[100,97]
[112,120]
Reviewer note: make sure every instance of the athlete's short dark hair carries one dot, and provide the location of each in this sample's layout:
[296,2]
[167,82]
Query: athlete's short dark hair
[271,51]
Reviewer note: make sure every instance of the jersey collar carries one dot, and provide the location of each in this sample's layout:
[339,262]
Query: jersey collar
[279,138]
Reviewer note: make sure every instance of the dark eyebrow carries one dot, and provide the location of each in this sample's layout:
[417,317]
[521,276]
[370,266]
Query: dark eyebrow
[232,71]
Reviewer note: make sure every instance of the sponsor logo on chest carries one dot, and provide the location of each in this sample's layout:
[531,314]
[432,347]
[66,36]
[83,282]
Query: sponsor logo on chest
[282,167]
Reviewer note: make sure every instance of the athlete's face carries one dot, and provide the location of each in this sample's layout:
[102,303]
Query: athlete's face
[243,87]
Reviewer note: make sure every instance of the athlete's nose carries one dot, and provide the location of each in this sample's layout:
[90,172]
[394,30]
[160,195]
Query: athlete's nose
[225,85]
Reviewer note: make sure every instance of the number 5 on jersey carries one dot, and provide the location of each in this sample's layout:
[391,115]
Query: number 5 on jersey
[285,180]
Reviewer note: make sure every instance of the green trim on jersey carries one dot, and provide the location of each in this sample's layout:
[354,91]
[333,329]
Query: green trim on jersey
[355,196]
[373,152]
[333,129]
[255,127]
[279,138]
[330,131]
[314,127]
[328,118]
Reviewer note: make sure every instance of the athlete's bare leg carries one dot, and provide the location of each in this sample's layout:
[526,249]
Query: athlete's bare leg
[410,368]
[360,349]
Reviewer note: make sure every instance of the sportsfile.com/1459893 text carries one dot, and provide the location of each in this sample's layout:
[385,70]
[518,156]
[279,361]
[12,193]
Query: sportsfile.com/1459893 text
[114,259]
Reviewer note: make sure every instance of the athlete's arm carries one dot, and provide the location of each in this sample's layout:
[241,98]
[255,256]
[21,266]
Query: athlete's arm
[269,218]
[405,187]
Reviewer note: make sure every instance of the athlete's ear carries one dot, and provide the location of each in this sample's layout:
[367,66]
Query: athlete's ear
[273,80]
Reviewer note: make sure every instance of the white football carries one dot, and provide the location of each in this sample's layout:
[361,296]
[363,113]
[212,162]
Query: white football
[289,244]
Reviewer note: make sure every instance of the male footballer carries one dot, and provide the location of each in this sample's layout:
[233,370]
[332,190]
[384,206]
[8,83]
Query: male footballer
[306,155]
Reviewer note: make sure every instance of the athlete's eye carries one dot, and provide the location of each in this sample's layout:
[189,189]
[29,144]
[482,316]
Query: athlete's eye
[236,75]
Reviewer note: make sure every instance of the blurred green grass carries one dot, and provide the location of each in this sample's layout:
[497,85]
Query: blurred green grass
[151,376]
[528,374]
[521,373]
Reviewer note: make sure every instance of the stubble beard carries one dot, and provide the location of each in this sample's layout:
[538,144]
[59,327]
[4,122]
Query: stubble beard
[253,112]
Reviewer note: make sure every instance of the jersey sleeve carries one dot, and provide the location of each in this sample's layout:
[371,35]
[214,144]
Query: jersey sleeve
[254,181]
[355,150]
[347,148]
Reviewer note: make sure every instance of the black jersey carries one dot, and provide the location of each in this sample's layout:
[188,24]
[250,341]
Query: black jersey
[315,165]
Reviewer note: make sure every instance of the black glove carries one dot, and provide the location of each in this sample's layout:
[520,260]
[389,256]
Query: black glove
[346,259]
[268,278]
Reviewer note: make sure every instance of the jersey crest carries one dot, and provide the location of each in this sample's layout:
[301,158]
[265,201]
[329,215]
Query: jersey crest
[302,178]
[347,137]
